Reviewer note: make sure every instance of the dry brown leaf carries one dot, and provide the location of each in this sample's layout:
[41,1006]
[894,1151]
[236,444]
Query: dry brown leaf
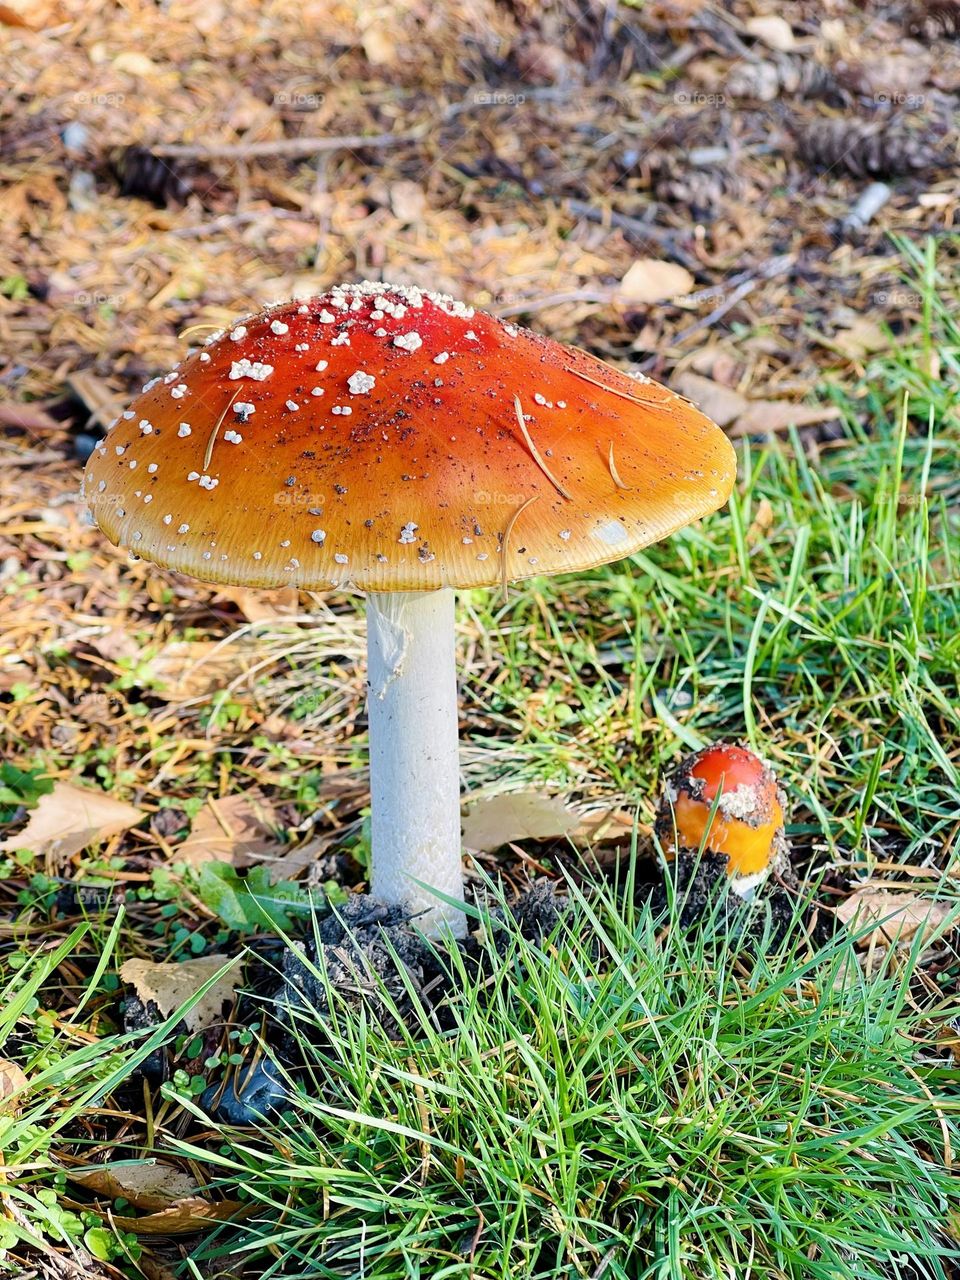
[184,1218]
[262,606]
[133,62]
[379,46]
[772,30]
[408,200]
[762,520]
[194,668]
[238,829]
[12,1082]
[895,917]
[170,985]
[720,403]
[11,18]
[949,1035]
[495,821]
[147,1184]
[861,337]
[650,280]
[290,863]
[761,417]
[71,818]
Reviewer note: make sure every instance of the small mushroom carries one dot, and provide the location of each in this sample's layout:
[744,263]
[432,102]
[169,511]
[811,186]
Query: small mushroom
[394,441]
[725,799]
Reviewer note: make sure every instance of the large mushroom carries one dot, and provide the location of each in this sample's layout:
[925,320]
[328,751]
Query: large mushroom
[397,442]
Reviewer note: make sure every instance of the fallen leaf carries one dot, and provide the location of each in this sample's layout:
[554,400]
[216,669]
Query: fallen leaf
[516,815]
[862,337]
[772,30]
[170,985]
[894,917]
[408,200]
[134,63]
[293,862]
[147,1184]
[11,18]
[12,1082]
[186,1217]
[238,829]
[262,606]
[379,46]
[720,403]
[949,1035]
[113,644]
[761,522]
[650,280]
[193,668]
[928,362]
[761,417]
[502,819]
[69,819]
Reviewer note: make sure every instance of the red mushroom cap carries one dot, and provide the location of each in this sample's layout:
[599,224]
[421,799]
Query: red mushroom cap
[748,824]
[395,440]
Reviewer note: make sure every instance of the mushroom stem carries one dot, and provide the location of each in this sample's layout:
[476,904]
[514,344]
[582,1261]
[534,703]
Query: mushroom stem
[414,763]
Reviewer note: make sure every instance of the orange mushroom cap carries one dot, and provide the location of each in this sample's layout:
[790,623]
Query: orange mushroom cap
[390,439]
[747,826]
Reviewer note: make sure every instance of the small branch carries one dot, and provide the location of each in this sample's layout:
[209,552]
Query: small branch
[775,267]
[639,232]
[285,146]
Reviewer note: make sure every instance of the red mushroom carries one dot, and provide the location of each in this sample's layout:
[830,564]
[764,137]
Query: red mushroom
[725,799]
[394,441]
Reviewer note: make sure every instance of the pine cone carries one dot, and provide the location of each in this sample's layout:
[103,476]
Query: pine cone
[141,173]
[931,19]
[866,148]
[783,75]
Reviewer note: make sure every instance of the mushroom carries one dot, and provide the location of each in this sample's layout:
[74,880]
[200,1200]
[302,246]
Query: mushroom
[725,799]
[395,441]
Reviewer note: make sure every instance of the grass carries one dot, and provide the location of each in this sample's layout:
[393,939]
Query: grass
[626,1099]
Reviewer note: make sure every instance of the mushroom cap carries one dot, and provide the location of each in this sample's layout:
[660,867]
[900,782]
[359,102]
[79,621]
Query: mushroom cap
[371,437]
[748,824]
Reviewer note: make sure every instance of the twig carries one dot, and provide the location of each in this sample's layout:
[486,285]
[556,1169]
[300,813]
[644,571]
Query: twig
[640,232]
[553,300]
[775,267]
[285,146]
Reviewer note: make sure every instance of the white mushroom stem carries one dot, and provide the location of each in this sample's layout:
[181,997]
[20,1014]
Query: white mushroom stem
[414,762]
